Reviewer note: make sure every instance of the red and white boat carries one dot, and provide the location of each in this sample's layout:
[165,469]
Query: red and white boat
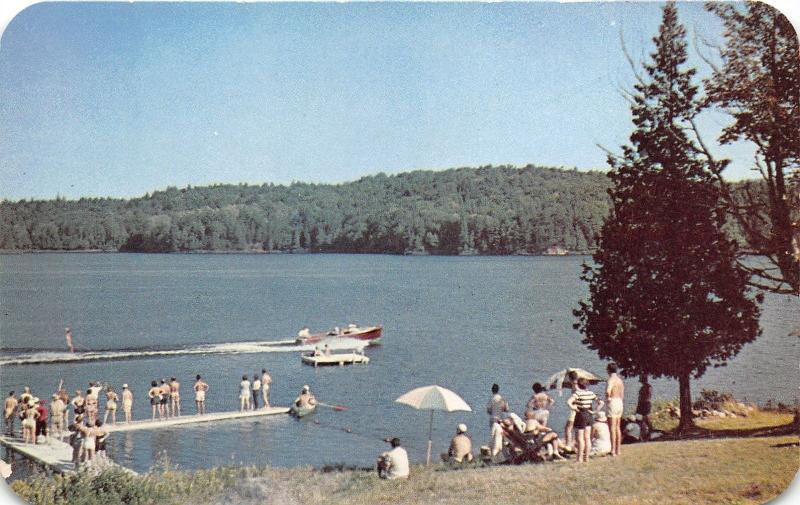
[369,333]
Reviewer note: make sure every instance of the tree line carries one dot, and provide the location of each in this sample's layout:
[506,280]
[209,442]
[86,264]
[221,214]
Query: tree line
[485,210]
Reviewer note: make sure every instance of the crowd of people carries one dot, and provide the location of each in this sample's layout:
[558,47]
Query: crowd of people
[594,427]
[86,434]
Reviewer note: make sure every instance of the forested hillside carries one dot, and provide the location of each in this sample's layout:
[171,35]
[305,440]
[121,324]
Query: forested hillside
[486,210]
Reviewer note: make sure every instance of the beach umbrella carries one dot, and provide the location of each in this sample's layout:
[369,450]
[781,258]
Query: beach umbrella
[561,380]
[433,398]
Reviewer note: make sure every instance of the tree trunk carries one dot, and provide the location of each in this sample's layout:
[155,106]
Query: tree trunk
[685,395]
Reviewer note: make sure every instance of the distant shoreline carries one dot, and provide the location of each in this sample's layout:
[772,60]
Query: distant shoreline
[14,252]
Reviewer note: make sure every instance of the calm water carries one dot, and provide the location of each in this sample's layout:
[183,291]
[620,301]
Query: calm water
[462,323]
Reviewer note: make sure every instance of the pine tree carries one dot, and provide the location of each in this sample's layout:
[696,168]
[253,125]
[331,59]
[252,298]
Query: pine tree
[667,297]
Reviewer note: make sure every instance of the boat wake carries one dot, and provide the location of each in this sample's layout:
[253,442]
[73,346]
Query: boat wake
[42,357]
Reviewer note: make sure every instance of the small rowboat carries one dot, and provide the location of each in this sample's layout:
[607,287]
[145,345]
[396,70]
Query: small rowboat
[299,412]
[370,333]
[340,359]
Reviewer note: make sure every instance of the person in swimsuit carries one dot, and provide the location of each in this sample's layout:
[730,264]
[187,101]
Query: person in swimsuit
[78,404]
[64,397]
[10,413]
[89,441]
[615,392]
[127,403]
[111,406]
[29,416]
[165,392]
[175,396]
[26,396]
[155,399]
[266,380]
[68,337]
[244,394]
[91,404]
[57,408]
[200,389]
[582,401]
[539,405]
[256,390]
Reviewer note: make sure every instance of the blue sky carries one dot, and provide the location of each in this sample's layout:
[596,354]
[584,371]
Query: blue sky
[119,99]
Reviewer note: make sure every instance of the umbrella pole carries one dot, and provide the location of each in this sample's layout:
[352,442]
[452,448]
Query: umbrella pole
[430,430]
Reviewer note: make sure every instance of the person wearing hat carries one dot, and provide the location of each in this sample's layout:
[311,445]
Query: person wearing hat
[393,464]
[57,408]
[460,447]
[306,398]
[127,403]
[601,436]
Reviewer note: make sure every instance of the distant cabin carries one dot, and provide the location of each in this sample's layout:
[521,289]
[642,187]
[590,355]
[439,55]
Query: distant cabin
[555,251]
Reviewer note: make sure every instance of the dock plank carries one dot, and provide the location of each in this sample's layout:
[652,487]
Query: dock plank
[194,419]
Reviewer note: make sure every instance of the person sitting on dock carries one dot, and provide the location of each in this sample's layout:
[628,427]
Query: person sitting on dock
[200,389]
[57,408]
[175,396]
[155,399]
[111,406]
[244,394]
[127,403]
[460,447]
[266,380]
[306,398]
[601,436]
[393,464]
[256,386]
[10,413]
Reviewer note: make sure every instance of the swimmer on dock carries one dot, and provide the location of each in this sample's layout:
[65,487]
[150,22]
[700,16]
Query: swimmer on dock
[155,399]
[200,388]
[175,396]
[165,394]
[127,403]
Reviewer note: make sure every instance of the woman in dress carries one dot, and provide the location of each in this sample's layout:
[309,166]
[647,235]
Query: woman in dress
[111,406]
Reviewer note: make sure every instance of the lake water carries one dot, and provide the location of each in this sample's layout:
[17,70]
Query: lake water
[460,322]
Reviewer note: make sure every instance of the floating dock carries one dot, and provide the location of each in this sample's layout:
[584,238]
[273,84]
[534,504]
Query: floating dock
[54,455]
[193,419]
[334,359]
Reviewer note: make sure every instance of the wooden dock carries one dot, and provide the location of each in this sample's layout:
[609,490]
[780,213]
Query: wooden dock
[54,455]
[193,419]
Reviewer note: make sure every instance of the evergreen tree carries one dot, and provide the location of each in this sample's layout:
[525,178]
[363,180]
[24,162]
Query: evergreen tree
[667,298]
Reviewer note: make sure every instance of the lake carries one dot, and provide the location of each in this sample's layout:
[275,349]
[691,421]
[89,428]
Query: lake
[460,322]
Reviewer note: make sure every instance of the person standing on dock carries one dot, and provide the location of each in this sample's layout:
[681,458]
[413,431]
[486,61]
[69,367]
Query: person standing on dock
[165,393]
[57,408]
[127,403]
[78,404]
[175,396]
[68,337]
[155,400]
[266,380]
[256,390]
[10,413]
[41,420]
[76,441]
[244,394]
[200,389]
[92,405]
[111,406]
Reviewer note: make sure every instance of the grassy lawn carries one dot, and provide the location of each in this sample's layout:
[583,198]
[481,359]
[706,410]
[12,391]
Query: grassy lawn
[717,471]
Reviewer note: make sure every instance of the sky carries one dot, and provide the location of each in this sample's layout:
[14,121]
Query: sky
[120,99]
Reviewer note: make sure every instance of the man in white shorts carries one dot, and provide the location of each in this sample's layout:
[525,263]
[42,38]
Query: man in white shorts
[200,389]
[615,392]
